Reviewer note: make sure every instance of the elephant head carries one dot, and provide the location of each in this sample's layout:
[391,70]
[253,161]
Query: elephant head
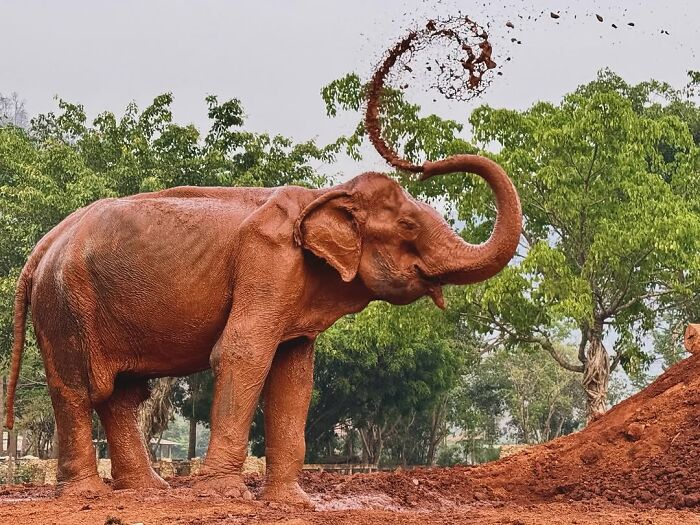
[401,249]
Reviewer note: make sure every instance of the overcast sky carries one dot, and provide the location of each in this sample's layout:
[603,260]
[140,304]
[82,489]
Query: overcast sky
[277,55]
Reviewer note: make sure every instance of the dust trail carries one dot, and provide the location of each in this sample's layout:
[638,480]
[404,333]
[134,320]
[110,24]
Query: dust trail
[461,52]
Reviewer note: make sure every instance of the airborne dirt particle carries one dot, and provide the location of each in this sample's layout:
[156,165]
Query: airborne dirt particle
[600,18]
[554,15]
[465,60]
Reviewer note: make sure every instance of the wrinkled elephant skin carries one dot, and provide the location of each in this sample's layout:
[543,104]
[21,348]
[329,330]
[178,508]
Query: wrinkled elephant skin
[241,280]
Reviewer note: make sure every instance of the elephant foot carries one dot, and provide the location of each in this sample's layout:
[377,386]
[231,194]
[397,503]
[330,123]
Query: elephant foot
[90,486]
[288,492]
[145,480]
[231,486]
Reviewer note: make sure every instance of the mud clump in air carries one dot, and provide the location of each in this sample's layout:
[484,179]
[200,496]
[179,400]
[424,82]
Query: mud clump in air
[457,48]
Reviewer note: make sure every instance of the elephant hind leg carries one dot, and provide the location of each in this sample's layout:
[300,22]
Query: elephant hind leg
[70,397]
[131,464]
[77,465]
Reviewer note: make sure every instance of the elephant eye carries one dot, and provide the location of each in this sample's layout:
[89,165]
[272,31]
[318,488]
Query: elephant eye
[407,223]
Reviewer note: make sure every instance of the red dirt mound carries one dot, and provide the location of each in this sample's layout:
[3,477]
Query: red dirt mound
[645,451]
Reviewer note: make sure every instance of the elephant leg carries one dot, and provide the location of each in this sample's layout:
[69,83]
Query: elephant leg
[287,395]
[131,464]
[240,364]
[77,464]
[70,397]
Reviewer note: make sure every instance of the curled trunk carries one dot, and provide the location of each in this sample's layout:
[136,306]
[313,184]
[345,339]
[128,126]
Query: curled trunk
[460,262]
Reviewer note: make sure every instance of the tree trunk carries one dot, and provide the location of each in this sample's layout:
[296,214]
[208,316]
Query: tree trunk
[372,443]
[2,416]
[54,442]
[437,430]
[596,374]
[156,411]
[12,455]
[192,442]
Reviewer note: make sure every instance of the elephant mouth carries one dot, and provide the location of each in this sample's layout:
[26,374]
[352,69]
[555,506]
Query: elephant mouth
[433,286]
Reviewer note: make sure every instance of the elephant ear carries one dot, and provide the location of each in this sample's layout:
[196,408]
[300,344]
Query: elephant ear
[329,228]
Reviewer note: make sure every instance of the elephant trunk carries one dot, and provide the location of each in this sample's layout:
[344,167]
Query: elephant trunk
[461,262]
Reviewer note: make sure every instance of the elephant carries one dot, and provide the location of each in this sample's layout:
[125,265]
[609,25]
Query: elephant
[241,280]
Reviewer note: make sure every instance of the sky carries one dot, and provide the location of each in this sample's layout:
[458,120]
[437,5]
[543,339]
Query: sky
[276,55]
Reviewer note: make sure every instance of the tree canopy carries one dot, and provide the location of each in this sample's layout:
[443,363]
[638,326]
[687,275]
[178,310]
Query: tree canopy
[609,238]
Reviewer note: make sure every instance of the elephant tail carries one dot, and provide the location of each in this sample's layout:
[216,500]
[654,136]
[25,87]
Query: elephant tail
[22,300]
[20,323]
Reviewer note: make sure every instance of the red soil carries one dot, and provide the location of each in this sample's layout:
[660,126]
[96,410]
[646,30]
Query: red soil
[644,452]
[639,463]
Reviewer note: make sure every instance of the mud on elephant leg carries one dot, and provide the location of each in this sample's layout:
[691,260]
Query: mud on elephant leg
[131,464]
[77,466]
[287,396]
[240,364]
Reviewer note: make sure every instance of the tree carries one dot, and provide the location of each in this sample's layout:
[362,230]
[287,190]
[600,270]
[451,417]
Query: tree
[609,228]
[606,179]
[519,393]
[381,371]
[156,412]
[13,111]
[193,397]
[543,399]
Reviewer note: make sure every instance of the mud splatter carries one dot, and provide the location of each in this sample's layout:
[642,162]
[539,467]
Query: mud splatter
[465,59]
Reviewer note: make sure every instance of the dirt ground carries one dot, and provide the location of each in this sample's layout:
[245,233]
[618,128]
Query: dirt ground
[181,506]
[638,464]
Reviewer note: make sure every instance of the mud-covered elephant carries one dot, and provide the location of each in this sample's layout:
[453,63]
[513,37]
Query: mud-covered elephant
[241,280]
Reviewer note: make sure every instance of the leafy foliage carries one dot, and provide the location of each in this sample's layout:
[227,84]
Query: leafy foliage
[606,181]
[382,367]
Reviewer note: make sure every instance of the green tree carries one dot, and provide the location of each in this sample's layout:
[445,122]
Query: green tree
[544,400]
[193,397]
[606,178]
[609,229]
[381,371]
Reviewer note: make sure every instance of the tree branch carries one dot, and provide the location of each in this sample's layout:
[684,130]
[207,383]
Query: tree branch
[542,340]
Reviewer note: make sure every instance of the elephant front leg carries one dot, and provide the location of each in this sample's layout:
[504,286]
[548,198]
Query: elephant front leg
[240,364]
[287,396]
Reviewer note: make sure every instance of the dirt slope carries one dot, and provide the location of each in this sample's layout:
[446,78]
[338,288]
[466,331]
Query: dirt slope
[645,451]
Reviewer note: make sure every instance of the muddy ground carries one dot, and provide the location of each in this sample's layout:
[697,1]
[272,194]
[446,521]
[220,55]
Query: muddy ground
[638,464]
[30,506]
